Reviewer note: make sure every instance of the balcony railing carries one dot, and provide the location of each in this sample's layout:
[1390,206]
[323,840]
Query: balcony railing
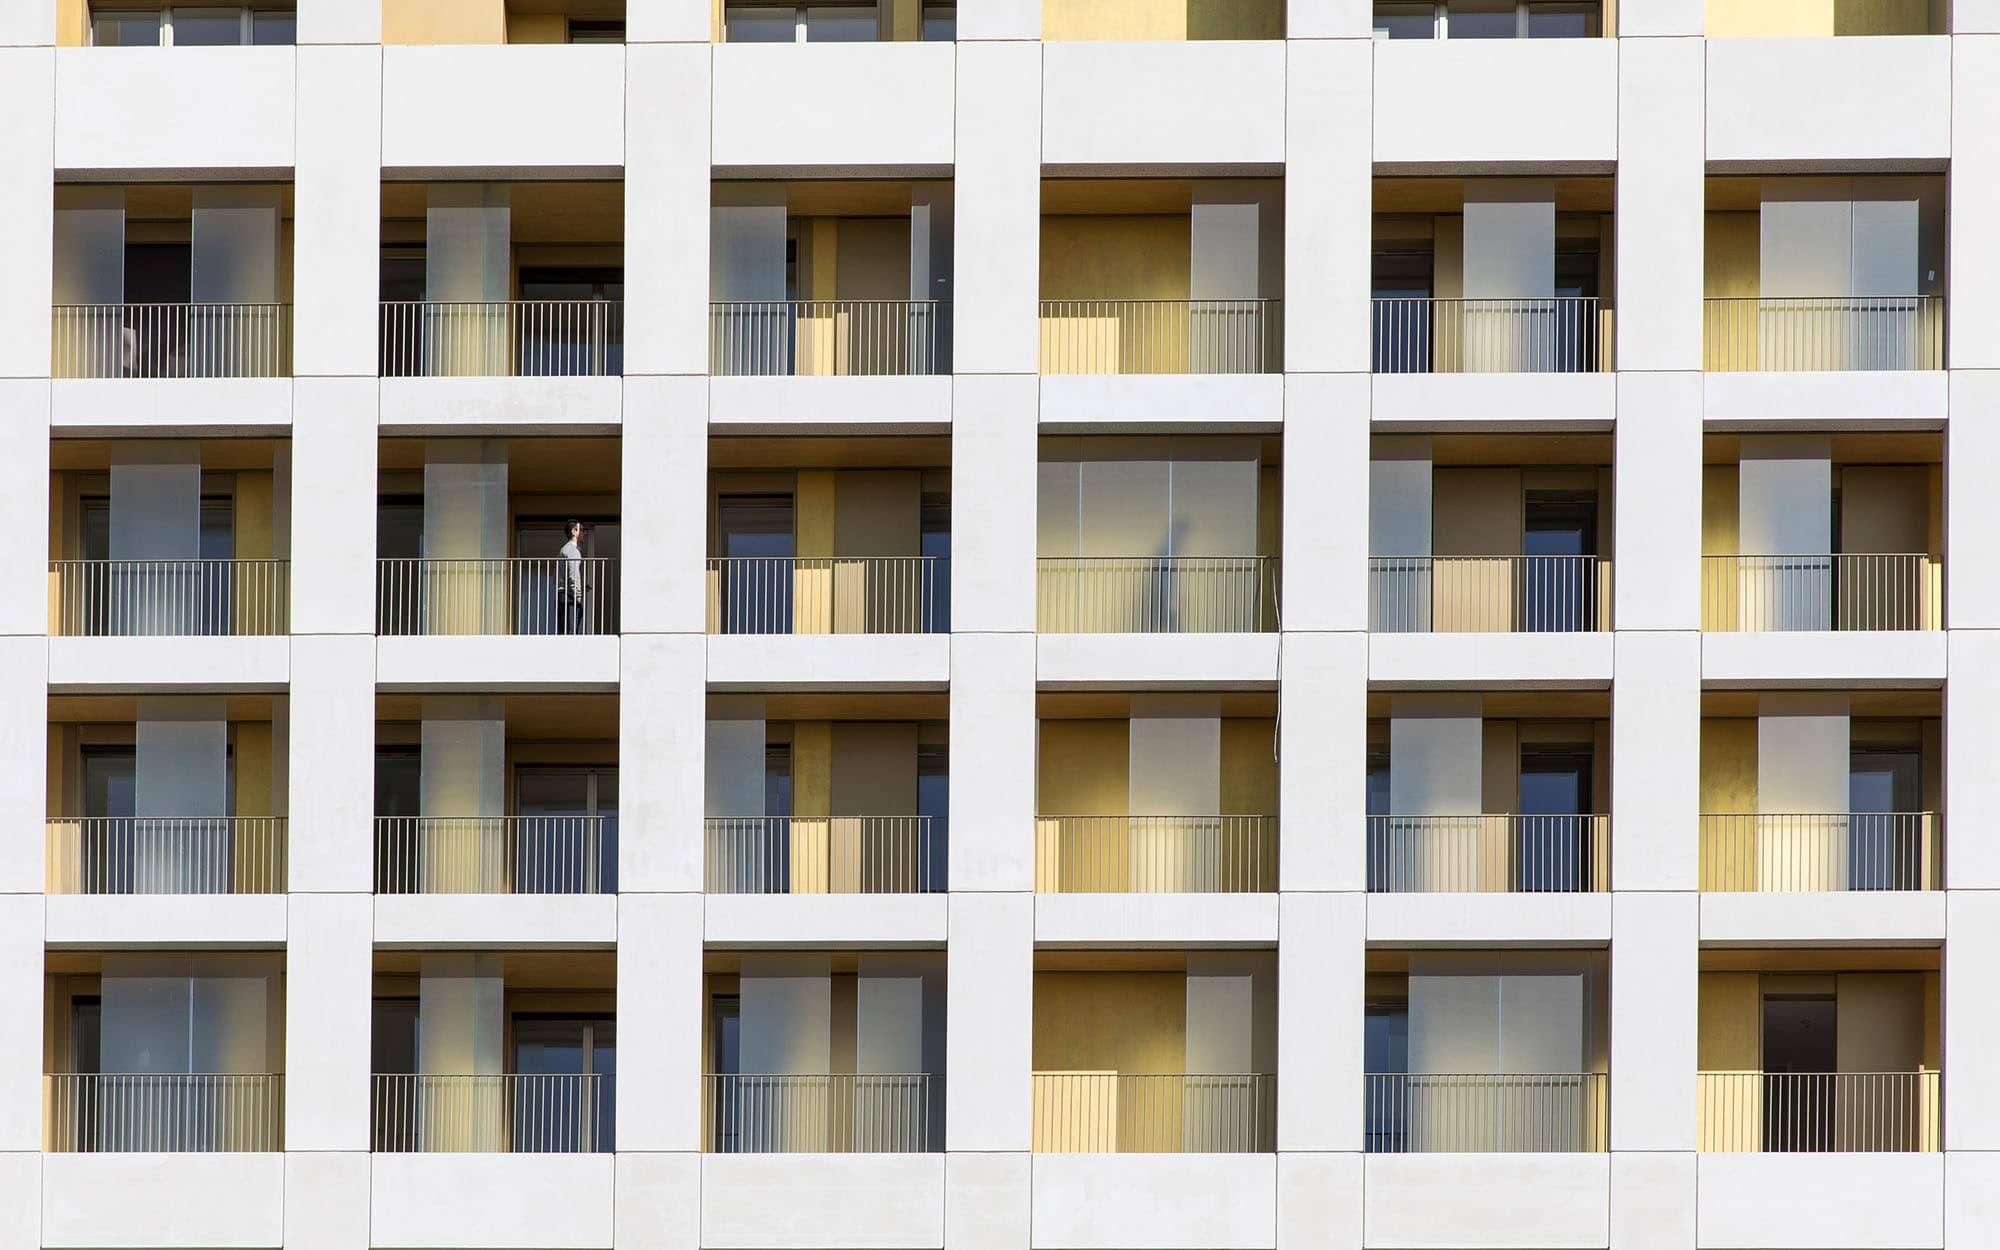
[515,1113]
[1497,854]
[825,854]
[1822,592]
[172,341]
[496,596]
[1823,332]
[845,1113]
[822,338]
[1539,334]
[1162,336]
[1156,594]
[496,855]
[523,338]
[1775,852]
[1156,854]
[165,1112]
[188,598]
[1489,594]
[1411,1113]
[829,595]
[1111,1112]
[166,855]
[1819,1112]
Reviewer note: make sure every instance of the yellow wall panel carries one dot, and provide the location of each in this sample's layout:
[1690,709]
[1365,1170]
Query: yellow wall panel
[1766,18]
[1128,1022]
[1121,257]
[1249,768]
[1235,19]
[1730,1037]
[1085,768]
[443,21]
[812,768]
[72,23]
[1728,784]
[1114,19]
[537,28]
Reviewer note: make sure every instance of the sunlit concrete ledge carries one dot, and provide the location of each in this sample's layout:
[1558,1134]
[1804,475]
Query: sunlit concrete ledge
[1552,1200]
[1859,1201]
[1495,402]
[823,1201]
[571,405]
[1156,661]
[453,1201]
[496,663]
[1456,919]
[1136,921]
[132,1201]
[177,921]
[829,662]
[1101,403]
[496,921]
[1154,1201]
[181,665]
[1848,659]
[823,921]
[1580,661]
[1862,399]
[851,405]
[182,406]
[1870,918]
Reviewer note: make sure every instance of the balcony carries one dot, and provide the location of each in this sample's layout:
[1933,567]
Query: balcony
[1819,1112]
[1751,593]
[172,340]
[1118,1113]
[829,595]
[511,1113]
[522,338]
[498,596]
[1508,854]
[105,1112]
[827,338]
[166,855]
[1104,336]
[1527,335]
[1156,854]
[496,855]
[837,1113]
[1832,332]
[1156,594]
[1489,594]
[1410,1113]
[178,598]
[825,855]
[1791,852]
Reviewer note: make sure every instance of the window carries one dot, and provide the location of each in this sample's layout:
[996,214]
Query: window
[817,23]
[940,23]
[597,32]
[193,26]
[1487,19]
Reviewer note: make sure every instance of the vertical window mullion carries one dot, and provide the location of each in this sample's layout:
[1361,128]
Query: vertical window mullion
[799,24]
[167,27]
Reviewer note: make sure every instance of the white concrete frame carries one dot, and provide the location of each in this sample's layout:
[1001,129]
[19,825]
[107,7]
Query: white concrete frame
[1323,108]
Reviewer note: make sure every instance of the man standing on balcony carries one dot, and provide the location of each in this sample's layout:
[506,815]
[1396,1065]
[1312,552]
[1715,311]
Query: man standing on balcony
[569,592]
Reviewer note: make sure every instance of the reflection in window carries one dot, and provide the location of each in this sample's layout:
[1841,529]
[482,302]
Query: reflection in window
[1487,19]
[193,26]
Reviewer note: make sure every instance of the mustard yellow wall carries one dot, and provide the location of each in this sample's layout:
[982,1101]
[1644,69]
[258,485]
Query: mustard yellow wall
[1115,257]
[1731,251]
[1163,19]
[72,23]
[1249,771]
[812,768]
[1728,764]
[1730,1033]
[813,511]
[1129,1022]
[253,516]
[253,768]
[1720,509]
[1734,18]
[1085,768]
[444,21]
[873,258]
[537,28]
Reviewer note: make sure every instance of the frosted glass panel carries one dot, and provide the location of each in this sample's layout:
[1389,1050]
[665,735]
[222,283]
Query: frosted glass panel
[1454,1024]
[155,511]
[90,246]
[235,250]
[468,233]
[1805,237]
[786,1022]
[1124,510]
[146,1023]
[1510,238]
[1885,247]
[228,1032]
[1056,508]
[889,1024]
[747,251]
[735,768]
[1223,250]
[1541,1023]
[1214,507]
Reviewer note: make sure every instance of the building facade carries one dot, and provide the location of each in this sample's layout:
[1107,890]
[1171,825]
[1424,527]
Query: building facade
[1075,624]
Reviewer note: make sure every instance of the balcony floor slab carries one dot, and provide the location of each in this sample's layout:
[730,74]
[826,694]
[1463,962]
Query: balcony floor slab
[823,921]
[1139,921]
[829,662]
[180,665]
[850,405]
[1848,659]
[496,921]
[1494,402]
[496,663]
[1454,919]
[822,1201]
[1156,661]
[439,1201]
[444,406]
[121,1201]
[1101,403]
[1860,399]
[144,407]
[1544,1200]
[179,921]
[1862,918]
[1489,661]
[1859,1201]
[1154,1201]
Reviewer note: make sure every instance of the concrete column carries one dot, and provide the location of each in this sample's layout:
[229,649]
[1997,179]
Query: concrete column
[666,189]
[661,719]
[1329,102]
[1661,184]
[328,988]
[1656,570]
[988,1030]
[998,190]
[27,148]
[337,205]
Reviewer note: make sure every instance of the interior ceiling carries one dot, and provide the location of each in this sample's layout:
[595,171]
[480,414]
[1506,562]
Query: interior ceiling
[93,455]
[1522,705]
[543,465]
[101,709]
[828,453]
[861,706]
[579,10]
[1920,447]
[1117,705]
[1873,704]
[522,970]
[538,717]
[1844,959]
[540,212]
[1071,196]
[1525,450]
[1447,195]
[174,201]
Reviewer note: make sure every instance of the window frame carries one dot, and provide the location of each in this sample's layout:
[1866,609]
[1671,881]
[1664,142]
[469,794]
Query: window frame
[246,21]
[1441,17]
